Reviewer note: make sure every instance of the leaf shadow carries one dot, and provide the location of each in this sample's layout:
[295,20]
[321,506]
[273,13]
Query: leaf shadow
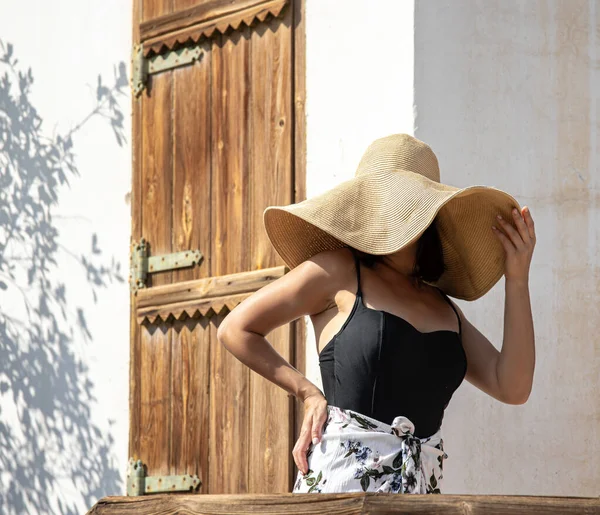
[47,436]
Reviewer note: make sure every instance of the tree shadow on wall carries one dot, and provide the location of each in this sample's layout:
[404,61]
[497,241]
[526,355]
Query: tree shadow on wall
[47,439]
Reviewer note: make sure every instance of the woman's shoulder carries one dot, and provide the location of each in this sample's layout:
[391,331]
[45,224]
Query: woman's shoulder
[336,263]
[332,270]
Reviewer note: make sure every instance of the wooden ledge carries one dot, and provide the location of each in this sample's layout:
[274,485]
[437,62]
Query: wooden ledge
[346,504]
[193,299]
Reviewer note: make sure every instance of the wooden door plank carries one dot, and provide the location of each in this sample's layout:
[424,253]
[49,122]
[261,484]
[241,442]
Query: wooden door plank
[155,8]
[136,20]
[190,358]
[136,234]
[155,391]
[271,465]
[298,359]
[229,416]
[230,154]
[299,98]
[157,170]
[271,124]
[299,177]
[178,5]
[192,163]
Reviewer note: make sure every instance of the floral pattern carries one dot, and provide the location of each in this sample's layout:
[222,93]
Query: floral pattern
[360,454]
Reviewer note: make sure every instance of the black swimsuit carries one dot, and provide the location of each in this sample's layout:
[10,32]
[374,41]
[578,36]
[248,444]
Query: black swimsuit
[380,365]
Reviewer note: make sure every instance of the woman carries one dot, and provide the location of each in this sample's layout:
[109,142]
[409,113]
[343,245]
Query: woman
[373,263]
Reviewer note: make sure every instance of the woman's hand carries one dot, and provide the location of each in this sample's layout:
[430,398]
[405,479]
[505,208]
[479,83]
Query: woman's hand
[315,416]
[518,244]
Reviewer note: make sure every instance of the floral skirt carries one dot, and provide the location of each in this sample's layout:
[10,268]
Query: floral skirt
[360,454]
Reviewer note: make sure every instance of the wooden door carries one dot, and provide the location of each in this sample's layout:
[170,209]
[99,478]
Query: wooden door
[214,143]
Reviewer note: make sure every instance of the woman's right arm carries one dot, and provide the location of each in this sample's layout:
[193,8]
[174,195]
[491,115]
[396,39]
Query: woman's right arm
[308,289]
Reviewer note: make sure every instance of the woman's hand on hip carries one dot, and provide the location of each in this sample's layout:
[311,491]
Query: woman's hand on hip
[518,243]
[315,416]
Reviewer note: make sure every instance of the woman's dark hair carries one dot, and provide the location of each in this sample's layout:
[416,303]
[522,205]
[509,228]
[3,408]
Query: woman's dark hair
[429,261]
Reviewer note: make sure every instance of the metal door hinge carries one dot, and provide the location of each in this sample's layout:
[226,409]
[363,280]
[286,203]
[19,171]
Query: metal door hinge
[141,265]
[138,483]
[142,66]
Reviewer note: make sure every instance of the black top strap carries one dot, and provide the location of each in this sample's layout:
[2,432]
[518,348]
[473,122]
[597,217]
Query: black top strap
[447,299]
[357,264]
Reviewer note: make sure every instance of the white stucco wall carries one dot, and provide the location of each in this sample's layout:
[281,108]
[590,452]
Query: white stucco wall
[359,87]
[507,93]
[64,388]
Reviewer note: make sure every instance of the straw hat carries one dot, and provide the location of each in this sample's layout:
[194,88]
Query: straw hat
[395,195]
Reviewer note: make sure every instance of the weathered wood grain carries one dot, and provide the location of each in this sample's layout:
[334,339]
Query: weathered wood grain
[157,183]
[151,434]
[206,17]
[299,96]
[155,393]
[179,5]
[271,125]
[271,463]
[156,8]
[216,286]
[190,380]
[380,504]
[299,175]
[229,436]
[230,154]
[136,234]
[192,163]
[347,504]
[214,148]
[197,309]
[298,360]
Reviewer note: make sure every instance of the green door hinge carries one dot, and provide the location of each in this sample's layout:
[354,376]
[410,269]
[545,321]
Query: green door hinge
[141,265]
[142,66]
[138,483]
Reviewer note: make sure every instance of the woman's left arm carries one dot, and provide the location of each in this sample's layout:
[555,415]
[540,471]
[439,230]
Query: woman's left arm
[508,375]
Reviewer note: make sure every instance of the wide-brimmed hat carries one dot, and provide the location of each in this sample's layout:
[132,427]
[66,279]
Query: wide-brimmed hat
[395,195]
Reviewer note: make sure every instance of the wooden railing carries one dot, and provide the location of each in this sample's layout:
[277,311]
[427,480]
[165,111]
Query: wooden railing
[345,504]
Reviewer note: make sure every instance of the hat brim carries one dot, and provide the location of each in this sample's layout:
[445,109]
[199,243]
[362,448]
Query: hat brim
[382,212]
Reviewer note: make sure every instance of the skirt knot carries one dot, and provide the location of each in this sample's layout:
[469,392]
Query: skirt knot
[360,454]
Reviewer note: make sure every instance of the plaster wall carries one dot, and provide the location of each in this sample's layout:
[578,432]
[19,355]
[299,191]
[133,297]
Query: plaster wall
[65,166]
[507,93]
